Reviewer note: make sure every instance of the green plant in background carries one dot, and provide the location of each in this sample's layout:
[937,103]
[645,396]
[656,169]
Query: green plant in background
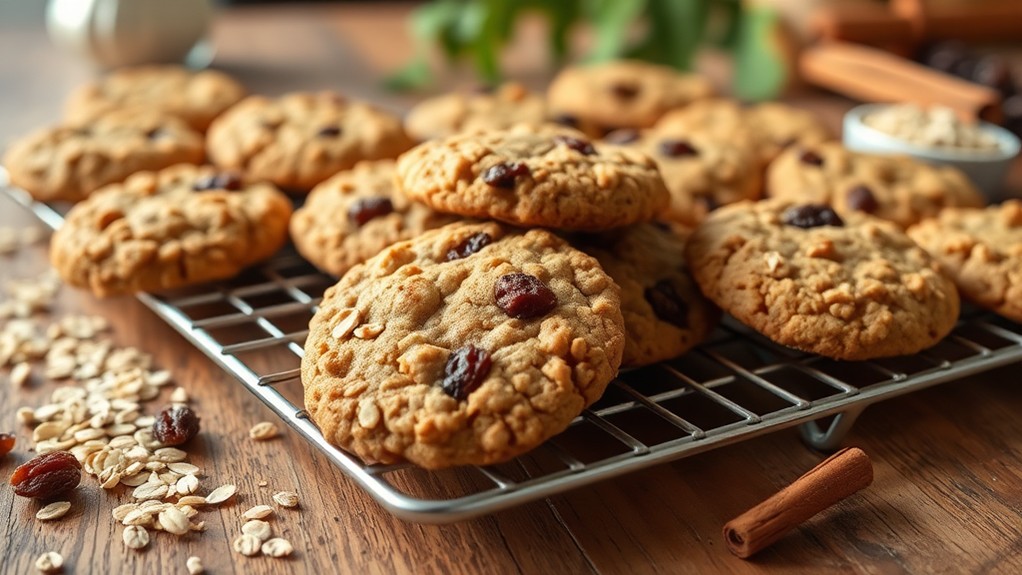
[667,32]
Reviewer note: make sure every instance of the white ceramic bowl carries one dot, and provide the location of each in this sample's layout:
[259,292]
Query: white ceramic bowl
[986,169]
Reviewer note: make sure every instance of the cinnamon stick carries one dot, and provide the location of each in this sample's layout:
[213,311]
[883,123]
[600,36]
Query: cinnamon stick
[977,20]
[837,477]
[876,76]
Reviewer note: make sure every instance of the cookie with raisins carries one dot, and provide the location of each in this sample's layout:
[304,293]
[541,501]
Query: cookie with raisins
[470,344]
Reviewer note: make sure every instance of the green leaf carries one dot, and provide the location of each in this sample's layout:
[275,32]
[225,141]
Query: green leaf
[760,68]
[675,31]
[414,76]
[612,20]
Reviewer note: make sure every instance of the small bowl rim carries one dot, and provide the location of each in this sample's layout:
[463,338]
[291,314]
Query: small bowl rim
[1009,144]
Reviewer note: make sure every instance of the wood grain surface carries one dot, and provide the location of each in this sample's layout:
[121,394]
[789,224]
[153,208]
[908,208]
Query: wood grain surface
[947,495]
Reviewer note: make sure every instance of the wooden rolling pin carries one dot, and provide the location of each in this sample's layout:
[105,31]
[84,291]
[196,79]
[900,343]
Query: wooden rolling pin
[873,75]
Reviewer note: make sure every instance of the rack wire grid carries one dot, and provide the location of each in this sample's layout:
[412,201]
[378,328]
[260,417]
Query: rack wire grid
[735,386]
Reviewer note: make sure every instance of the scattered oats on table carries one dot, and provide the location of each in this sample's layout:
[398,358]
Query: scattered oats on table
[52,511]
[263,431]
[258,512]
[135,537]
[247,545]
[221,494]
[286,498]
[194,565]
[49,562]
[277,547]
[257,528]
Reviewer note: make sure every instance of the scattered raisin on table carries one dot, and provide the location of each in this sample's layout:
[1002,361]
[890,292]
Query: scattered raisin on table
[465,371]
[47,476]
[6,443]
[523,296]
[175,425]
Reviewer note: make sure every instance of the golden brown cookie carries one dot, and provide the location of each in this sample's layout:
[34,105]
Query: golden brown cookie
[68,162]
[195,97]
[503,107]
[805,277]
[300,139]
[600,98]
[547,176]
[665,314]
[895,188]
[471,344]
[161,230]
[355,214]
[982,250]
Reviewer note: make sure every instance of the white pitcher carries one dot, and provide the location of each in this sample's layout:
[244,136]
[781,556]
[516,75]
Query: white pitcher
[113,33]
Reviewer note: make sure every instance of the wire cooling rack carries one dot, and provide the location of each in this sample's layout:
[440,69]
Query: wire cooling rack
[735,386]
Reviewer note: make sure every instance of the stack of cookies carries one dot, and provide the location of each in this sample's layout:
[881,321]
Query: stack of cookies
[502,254]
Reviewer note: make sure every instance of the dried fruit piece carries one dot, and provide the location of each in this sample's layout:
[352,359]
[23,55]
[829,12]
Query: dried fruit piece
[523,296]
[624,91]
[7,441]
[565,120]
[176,425]
[47,476]
[811,158]
[365,209]
[677,148]
[861,198]
[469,246]
[579,145]
[465,370]
[666,304]
[811,216]
[221,181]
[329,131]
[503,175]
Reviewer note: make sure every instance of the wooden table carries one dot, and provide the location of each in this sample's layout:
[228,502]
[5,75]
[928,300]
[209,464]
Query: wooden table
[947,495]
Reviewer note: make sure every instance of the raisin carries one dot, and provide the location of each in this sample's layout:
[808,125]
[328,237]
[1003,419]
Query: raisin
[465,370]
[175,425]
[6,443]
[666,304]
[862,199]
[156,134]
[503,175]
[469,246]
[47,476]
[710,202]
[566,120]
[221,181]
[810,157]
[579,145]
[329,131]
[365,209]
[625,91]
[677,148]
[523,296]
[811,216]
[622,136]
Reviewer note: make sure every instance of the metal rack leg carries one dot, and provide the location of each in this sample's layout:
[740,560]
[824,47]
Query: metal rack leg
[835,433]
